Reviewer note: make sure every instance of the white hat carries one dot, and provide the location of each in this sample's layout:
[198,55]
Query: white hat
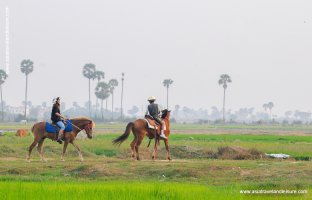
[151,98]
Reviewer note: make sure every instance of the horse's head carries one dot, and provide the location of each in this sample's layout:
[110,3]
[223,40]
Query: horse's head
[88,127]
[165,114]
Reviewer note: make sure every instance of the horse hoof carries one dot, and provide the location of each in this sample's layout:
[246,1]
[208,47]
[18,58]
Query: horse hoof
[62,159]
[27,160]
[169,159]
[44,160]
[138,159]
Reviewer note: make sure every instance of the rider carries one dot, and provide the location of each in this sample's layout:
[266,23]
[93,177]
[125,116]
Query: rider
[154,111]
[56,118]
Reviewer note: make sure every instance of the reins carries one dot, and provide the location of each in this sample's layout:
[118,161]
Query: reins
[74,125]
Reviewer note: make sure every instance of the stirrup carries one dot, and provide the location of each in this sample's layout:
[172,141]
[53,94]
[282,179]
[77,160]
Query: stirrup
[163,136]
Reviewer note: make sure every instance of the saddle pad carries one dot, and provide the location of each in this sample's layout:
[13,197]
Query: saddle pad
[149,125]
[55,129]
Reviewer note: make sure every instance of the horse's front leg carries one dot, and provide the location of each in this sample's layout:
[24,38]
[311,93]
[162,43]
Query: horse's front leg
[167,148]
[139,141]
[78,149]
[64,149]
[133,148]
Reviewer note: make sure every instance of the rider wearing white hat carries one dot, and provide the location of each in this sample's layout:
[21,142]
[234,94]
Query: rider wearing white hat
[154,111]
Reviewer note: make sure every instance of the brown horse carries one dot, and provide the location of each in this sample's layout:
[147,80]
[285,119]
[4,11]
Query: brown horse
[139,129]
[79,124]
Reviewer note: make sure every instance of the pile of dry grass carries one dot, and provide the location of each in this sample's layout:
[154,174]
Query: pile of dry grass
[21,132]
[238,153]
[226,153]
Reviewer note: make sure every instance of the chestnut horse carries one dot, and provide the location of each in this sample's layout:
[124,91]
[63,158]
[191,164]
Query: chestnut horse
[40,134]
[139,129]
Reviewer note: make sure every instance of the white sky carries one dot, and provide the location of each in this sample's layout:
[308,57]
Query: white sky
[264,45]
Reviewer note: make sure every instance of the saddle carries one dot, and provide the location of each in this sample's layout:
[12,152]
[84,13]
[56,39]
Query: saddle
[53,128]
[152,124]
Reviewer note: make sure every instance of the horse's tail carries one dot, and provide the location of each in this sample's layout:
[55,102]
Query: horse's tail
[124,136]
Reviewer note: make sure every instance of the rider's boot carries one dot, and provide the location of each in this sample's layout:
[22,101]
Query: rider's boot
[60,135]
[162,134]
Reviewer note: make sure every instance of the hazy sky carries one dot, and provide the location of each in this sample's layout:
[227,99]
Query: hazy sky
[264,45]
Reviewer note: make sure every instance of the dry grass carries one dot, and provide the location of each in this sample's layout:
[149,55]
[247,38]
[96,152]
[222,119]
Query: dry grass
[239,153]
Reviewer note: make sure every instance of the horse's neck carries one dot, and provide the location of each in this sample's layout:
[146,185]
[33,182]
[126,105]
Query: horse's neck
[78,124]
[167,121]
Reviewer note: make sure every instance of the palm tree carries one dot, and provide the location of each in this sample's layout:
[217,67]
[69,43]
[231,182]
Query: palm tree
[102,92]
[98,75]
[122,86]
[27,66]
[270,106]
[224,80]
[3,76]
[265,107]
[112,84]
[167,83]
[88,72]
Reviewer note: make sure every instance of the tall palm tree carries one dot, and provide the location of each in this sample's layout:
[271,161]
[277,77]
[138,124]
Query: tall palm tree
[102,92]
[98,75]
[167,83]
[270,106]
[122,86]
[3,76]
[88,72]
[265,107]
[27,66]
[224,80]
[112,84]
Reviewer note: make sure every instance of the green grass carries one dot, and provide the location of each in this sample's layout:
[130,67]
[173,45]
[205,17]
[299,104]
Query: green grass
[102,190]
[299,147]
[127,190]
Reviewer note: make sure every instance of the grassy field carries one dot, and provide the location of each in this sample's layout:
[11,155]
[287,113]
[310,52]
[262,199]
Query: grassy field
[197,170]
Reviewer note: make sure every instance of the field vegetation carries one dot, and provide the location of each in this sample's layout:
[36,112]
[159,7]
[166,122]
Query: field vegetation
[216,165]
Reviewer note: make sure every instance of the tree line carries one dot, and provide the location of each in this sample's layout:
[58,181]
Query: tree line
[103,90]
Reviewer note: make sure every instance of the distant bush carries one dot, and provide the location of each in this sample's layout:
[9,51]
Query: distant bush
[297,122]
[218,121]
[202,121]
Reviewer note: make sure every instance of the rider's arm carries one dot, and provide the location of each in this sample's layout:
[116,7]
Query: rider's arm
[58,114]
[159,111]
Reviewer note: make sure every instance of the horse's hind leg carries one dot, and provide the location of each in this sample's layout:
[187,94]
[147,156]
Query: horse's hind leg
[40,149]
[137,148]
[35,142]
[132,145]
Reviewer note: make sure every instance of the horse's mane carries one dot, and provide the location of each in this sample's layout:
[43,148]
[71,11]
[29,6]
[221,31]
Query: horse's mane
[164,113]
[83,119]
